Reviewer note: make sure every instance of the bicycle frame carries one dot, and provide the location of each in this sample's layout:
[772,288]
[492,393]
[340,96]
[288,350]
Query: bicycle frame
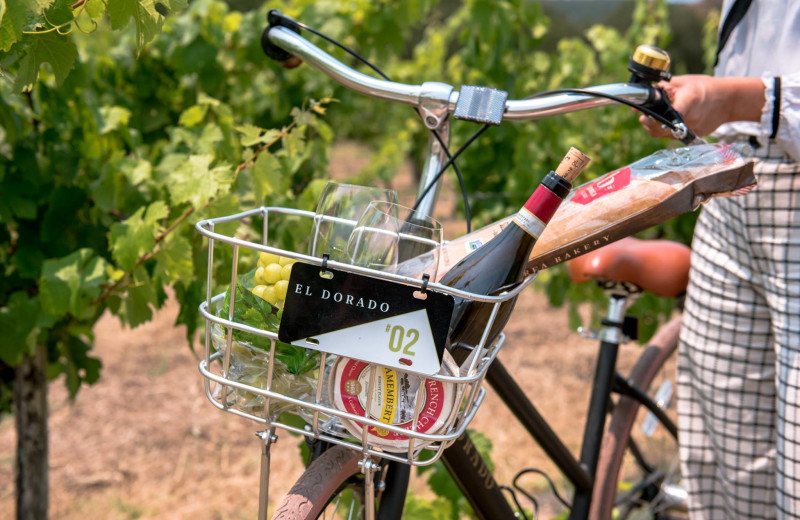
[435,103]
[469,470]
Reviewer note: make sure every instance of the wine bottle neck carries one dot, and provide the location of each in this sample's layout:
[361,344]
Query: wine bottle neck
[541,206]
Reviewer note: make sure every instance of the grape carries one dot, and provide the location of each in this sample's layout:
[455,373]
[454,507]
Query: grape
[280,289]
[269,294]
[265,259]
[286,271]
[258,278]
[272,273]
[258,290]
[285,261]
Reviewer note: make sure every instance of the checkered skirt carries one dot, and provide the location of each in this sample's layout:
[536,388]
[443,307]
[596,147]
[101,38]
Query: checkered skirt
[739,358]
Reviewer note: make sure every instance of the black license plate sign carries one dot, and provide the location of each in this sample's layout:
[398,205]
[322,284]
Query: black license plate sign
[365,318]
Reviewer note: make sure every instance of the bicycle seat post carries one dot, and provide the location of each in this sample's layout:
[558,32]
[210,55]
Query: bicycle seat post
[611,336]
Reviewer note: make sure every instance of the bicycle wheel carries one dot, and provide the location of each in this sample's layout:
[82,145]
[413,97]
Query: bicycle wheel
[638,474]
[333,487]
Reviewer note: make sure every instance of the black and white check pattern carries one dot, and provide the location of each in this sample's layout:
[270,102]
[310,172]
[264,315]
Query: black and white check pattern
[739,363]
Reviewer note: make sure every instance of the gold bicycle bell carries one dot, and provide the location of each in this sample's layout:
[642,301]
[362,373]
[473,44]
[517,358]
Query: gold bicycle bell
[651,56]
[649,64]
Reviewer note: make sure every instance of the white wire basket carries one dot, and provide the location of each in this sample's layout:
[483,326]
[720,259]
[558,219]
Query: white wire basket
[241,379]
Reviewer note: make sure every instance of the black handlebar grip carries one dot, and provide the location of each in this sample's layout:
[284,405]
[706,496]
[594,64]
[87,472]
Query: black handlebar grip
[276,19]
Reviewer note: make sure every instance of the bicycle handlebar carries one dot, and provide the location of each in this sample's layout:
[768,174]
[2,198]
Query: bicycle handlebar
[416,95]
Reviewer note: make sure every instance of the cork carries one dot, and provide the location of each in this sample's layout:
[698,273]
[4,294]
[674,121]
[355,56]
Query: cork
[573,164]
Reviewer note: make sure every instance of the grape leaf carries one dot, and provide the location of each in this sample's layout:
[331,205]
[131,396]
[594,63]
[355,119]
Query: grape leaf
[2,14]
[267,176]
[135,236]
[60,12]
[147,20]
[139,173]
[52,48]
[113,117]
[19,199]
[193,115]
[141,297]
[419,508]
[211,135]
[196,182]
[13,16]
[78,366]
[95,9]
[190,298]
[37,6]
[18,322]
[16,16]
[173,264]
[68,285]
[253,135]
[175,5]
[106,189]
[250,134]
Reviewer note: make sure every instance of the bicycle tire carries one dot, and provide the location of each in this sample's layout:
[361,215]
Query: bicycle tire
[615,443]
[335,473]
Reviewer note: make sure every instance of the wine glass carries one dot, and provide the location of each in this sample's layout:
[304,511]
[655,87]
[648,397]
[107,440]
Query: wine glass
[339,207]
[389,235]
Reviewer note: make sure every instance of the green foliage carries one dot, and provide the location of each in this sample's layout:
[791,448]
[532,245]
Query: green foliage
[104,171]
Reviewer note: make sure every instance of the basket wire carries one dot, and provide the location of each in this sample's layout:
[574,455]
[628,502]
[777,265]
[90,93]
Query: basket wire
[220,384]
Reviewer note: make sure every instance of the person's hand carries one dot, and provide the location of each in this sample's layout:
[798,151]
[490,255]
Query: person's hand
[706,102]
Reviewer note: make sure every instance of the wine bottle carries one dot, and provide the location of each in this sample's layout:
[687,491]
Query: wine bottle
[501,263]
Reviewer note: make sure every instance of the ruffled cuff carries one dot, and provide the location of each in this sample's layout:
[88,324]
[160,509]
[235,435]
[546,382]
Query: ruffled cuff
[780,115]
[770,112]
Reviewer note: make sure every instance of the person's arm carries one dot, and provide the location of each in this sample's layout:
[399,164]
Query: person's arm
[706,102]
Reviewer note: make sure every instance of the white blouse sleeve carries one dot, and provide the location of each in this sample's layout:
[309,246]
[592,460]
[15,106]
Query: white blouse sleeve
[780,117]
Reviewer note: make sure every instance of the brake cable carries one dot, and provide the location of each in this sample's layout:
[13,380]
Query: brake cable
[451,158]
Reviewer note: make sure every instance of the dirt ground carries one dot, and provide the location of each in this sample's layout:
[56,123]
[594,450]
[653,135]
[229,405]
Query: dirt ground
[145,443]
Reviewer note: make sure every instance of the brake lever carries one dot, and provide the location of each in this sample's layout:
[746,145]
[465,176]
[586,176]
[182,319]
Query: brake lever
[680,130]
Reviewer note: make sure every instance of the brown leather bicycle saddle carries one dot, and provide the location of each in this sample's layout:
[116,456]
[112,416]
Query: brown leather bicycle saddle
[658,266]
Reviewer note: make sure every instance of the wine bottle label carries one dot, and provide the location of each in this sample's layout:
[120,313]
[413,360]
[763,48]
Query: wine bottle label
[529,222]
[539,209]
[452,252]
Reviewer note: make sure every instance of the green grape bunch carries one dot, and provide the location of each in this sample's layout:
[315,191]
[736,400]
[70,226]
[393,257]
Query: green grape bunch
[271,279]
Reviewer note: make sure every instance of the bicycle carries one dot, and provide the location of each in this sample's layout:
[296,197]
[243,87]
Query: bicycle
[376,479]
[656,489]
